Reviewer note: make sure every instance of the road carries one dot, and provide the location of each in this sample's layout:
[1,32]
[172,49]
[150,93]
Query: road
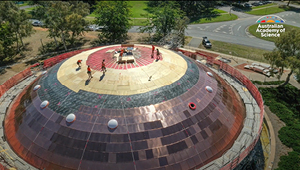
[236,31]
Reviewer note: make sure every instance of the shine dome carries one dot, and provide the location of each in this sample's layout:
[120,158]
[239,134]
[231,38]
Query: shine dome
[149,103]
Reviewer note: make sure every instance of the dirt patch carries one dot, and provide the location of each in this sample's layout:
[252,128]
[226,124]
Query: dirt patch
[11,71]
[91,35]
[281,149]
[137,37]
[40,28]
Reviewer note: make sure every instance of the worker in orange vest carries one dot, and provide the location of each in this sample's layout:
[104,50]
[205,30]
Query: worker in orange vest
[103,68]
[79,63]
[89,72]
[152,54]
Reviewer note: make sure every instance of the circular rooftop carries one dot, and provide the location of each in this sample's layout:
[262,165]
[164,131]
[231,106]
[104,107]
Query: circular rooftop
[134,116]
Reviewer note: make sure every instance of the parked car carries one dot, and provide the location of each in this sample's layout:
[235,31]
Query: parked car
[296,78]
[246,5]
[206,43]
[274,70]
[255,3]
[225,60]
[94,28]
[220,3]
[266,2]
[260,3]
[36,22]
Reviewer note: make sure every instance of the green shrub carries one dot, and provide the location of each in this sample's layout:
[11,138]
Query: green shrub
[282,112]
[289,162]
[268,82]
[285,103]
[290,136]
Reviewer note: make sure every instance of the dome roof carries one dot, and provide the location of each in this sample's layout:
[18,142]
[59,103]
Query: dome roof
[133,118]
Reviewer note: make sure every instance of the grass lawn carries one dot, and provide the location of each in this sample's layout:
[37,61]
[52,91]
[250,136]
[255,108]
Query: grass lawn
[29,9]
[187,40]
[92,15]
[218,18]
[138,22]
[24,4]
[261,6]
[238,50]
[90,19]
[138,8]
[270,10]
[252,30]
[219,11]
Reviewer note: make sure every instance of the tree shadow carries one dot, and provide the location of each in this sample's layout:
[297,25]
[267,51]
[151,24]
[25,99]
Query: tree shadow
[52,46]
[2,71]
[290,8]
[241,9]
[78,42]
[33,61]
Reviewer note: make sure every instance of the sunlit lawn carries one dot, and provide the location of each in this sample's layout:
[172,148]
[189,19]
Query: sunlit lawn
[270,10]
[218,18]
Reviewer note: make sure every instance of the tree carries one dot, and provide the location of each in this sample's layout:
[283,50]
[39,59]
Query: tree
[286,54]
[288,3]
[180,27]
[6,40]
[22,26]
[197,8]
[63,18]
[114,17]
[18,20]
[163,20]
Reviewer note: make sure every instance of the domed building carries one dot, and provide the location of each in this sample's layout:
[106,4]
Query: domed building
[144,113]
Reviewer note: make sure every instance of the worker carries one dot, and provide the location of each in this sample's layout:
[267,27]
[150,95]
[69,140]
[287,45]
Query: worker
[157,54]
[152,54]
[89,72]
[103,68]
[79,63]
